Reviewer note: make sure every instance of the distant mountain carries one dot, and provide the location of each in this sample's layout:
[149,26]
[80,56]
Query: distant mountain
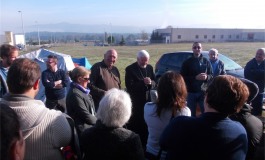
[82,28]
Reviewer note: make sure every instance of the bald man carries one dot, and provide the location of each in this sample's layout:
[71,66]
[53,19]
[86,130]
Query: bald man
[104,76]
[255,71]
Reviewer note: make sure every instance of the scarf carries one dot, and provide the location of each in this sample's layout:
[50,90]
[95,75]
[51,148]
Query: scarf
[81,88]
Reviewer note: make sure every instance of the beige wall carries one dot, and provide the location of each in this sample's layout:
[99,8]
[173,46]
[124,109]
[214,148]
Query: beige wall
[212,35]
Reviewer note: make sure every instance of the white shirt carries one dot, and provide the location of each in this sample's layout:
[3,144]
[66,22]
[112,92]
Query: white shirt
[156,125]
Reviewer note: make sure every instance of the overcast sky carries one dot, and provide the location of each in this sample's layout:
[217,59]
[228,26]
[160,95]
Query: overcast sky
[140,13]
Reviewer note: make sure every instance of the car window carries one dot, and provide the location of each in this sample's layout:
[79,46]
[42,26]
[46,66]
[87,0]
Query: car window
[175,59]
[229,64]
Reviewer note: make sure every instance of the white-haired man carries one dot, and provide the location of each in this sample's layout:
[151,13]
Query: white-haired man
[217,65]
[139,79]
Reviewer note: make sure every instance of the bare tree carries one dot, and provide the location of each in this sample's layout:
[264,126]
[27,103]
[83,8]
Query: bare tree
[144,35]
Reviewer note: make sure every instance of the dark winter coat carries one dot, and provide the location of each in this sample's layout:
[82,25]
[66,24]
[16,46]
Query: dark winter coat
[81,108]
[253,126]
[256,73]
[191,68]
[101,142]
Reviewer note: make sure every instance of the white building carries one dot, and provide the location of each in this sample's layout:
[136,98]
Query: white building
[174,35]
[12,39]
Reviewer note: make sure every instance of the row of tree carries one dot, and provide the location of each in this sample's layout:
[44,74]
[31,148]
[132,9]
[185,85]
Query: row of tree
[115,38]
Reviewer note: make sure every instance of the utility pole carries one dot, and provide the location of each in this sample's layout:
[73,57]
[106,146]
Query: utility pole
[23,29]
[110,35]
[38,32]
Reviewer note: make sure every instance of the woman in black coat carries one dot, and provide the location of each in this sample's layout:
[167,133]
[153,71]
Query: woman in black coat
[79,103]
[108,139]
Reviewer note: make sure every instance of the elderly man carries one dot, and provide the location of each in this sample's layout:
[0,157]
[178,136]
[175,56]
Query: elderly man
[139,79]
[8,55]
[54,80]
[255,71]
[196,71]
[217,65]
[104,76]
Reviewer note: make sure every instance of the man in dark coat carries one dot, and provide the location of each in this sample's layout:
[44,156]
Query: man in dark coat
[139,79]
[255,71]
[55,82]
[196,71]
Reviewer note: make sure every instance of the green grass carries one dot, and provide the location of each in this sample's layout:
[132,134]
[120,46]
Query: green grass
[241,52]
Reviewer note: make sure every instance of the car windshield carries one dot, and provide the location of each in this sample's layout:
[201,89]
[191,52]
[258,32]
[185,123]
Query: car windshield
[229,63]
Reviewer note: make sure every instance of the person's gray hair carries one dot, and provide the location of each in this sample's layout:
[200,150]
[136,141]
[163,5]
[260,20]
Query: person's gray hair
[143,53]
[213,50]
[115,108]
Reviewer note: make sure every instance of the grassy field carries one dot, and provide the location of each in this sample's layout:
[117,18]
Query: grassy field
[241,52]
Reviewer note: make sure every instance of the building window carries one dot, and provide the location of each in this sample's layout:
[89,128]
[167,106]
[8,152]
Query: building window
[205,36]
[230,36]
[237,36]
[197,36]
[179,36]
[213,36]
[250,36]
[222,36]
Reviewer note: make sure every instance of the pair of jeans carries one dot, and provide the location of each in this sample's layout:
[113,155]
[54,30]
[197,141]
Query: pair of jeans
[195,99]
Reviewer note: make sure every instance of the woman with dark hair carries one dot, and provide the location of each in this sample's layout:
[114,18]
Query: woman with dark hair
[12,141]
[79,103]
[171,102]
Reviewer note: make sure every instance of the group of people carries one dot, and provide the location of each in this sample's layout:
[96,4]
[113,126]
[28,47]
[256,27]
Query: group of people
[115,124]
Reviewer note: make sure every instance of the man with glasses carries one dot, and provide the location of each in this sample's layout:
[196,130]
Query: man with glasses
[54,80]
[196,71]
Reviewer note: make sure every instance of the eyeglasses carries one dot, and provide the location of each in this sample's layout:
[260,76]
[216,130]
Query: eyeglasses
[87,79]
[196,47]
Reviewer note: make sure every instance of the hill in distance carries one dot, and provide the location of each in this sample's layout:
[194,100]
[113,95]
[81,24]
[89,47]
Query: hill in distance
[83,28]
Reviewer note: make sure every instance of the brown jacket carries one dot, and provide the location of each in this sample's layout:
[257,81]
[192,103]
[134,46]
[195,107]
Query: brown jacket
[102,79]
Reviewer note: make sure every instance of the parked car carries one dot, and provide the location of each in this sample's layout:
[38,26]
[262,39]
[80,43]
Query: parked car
[173,61]
[20,46]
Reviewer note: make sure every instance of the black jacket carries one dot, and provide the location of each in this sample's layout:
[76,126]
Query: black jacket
[256,73]
[101,142]
[81,108]
[253,126]
[191,68]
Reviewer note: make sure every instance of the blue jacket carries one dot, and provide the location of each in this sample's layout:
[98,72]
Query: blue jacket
[3,84]
[210,136]
[256,73]
[219,70]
